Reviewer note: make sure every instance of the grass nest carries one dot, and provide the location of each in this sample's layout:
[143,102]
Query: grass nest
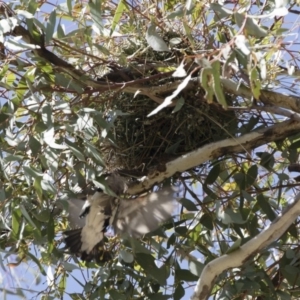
[142,142]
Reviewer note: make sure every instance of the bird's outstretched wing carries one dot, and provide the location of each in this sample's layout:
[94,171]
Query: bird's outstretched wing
[142,215]
[74,211]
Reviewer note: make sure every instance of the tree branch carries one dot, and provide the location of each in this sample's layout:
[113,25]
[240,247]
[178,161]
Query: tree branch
[267,97]
[195,158]
[237,258]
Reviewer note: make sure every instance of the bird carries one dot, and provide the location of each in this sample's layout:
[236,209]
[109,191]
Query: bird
[134,217]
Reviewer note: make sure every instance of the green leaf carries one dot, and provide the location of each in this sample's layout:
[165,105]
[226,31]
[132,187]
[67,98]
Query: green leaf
[185,275]
[32,172]
[48,187]
[3,119]
[69,5]
[240,179]
[161,274]
[35,28]
[210,193]
[251,175]
[154,40]
[293,231]
[266,207]
[118,13]
[62,284]
[50,26]
[38,187]
[16,220]
[34,145]
[75,149]
[196,267]
[182,230]
[179,292]
[206,79]
[213,174]
[159,296]
[96,13]
[236,245]
[217,86]
[70,267]
[68,83]
[37,262]
[177,13]
[171,240]
[32,6]
[40,127]
[11,157]
[220,11]
[282,295]
[250,25]
[146,261]
[291,274]
[104,50]
[188,204]
[173,148]
[51,234]
[126,256]
[235,216]
[179,104]
[295,145]
[247,196]
[43,216]
[255,83]
[283,176]
[91,149]
[27,217]
[135,245]
[207,221]
[60,31]
[267,160]
[115,295]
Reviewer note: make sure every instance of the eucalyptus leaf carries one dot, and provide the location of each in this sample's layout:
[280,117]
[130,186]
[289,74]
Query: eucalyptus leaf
[154,40]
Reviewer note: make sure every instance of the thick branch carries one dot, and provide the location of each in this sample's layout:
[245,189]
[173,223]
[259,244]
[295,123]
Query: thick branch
[267,97]
[195,158]
[237,258]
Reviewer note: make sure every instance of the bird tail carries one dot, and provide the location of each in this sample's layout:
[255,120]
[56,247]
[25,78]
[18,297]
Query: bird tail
[73,243]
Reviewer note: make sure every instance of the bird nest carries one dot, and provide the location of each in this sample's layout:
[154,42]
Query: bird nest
[143,142]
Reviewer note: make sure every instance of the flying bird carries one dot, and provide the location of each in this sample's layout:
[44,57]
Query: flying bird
[135,217]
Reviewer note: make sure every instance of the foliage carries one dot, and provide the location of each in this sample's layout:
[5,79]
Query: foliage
[88,88]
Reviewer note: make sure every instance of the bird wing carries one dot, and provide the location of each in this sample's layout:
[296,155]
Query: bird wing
[144,214]
[74,210]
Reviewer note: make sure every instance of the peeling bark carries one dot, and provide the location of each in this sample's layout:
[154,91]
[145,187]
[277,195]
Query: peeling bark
[237,258]
[246,142]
